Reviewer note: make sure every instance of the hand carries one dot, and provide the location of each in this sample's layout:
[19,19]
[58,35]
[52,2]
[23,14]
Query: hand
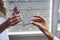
[13,20]
[42,24]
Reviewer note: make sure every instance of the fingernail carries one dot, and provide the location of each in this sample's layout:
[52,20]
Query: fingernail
[32,21]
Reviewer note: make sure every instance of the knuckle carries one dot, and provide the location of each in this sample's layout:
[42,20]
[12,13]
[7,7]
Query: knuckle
[12,23]
[9,18]
[45,19]
[17,18]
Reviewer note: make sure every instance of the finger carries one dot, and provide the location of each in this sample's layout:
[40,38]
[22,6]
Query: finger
[42,18]
[36,24]
[15,19]
[39,25]
[37,20]
[14,16]
[14,23]
[37,16]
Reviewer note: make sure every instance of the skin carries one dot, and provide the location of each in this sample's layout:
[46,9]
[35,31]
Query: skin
[42,24]
[39,21]
[11,21]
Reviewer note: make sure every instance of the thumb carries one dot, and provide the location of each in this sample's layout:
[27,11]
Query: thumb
[37,24]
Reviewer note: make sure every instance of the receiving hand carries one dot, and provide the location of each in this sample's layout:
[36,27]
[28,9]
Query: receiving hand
[40,22]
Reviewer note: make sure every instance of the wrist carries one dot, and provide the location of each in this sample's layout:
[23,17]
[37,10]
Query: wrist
[6,23]
[49,35]
[3,26]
